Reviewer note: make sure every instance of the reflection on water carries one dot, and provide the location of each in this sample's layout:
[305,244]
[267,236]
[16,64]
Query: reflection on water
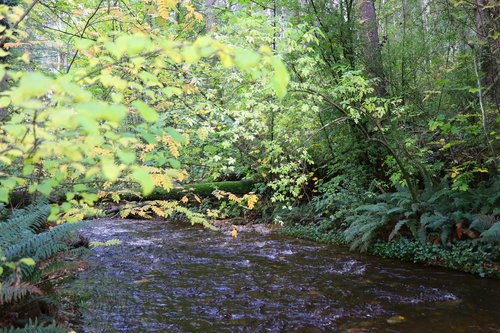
[177,278]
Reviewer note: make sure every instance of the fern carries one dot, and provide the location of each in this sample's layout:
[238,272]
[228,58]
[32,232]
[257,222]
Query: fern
[43,245]
[59,266]
[23,223]
[15,292]
[482,223]
[23,235]
[35,327]
[364,226]
[410,223]
[373,208]
[492,234]
[434,222]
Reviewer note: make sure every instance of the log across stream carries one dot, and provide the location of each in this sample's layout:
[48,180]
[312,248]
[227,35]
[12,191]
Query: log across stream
[168,277]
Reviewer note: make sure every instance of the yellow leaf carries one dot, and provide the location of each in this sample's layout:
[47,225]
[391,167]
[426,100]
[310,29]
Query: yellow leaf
[164,6]
[212,213]
[251,200]
[26,57]
[234,232]
[198,17]
[184,199]
[396,319]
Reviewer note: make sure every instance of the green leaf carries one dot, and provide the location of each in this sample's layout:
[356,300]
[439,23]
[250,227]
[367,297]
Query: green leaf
[83,44]
[130,45]
[66,206]
[174,163]
[127,157]
[151,139]
[280,78]
[110,170]
[246,59]
[150,79]
[115,113]
[46,186]
[4,195]
[80,187]
[191,54]
[32,84]
[171,91]
[89,198]
[28,169]
[176,135]
[147,113]
[27,261]
[144,179]
[4,101]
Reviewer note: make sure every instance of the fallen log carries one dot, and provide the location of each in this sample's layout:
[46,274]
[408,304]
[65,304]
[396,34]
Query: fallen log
[201,189]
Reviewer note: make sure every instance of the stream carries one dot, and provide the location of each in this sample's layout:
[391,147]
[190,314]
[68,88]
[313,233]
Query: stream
[169,277]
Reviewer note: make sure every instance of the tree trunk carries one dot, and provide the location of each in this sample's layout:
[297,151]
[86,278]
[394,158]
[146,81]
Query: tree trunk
[209,16]
[372,55]
[487,17]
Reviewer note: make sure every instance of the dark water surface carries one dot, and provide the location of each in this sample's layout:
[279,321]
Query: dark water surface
[176,278]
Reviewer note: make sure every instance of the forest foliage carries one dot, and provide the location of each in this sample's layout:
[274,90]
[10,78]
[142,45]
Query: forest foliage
[377,120]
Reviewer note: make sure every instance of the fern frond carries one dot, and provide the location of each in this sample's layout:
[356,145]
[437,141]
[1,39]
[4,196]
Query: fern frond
[59,266]
[43,245]
[373,208]
[396,229]
[23,223]
[14,293]
[482,223]
[362,232]
[433,221]
[35,327]
[492,234]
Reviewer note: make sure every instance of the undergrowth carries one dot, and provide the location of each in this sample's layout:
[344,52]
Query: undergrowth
[454,229]
[468,256]
[33,257]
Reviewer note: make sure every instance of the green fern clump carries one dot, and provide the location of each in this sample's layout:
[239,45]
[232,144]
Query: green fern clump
[492,234]
[35,327]
[29,253]
[366,222]
[435,216]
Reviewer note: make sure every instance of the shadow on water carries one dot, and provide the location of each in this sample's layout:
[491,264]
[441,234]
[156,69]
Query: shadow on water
[166,277]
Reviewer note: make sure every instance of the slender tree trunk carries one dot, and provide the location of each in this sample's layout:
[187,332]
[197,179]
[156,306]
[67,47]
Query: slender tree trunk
[487,17]
[372,54]
[209,15]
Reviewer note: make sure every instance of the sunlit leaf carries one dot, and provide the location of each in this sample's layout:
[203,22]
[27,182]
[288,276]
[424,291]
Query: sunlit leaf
[176,135]
[27,261]
[246,59]
[280,77]
[110,170]
[144,179]
[147,113]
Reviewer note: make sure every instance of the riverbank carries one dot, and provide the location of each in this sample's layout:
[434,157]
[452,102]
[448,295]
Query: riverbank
[466,256]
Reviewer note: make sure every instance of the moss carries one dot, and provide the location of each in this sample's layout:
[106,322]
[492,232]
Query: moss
[203,189]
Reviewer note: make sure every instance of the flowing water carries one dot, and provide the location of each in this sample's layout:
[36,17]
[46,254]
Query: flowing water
[167,277]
